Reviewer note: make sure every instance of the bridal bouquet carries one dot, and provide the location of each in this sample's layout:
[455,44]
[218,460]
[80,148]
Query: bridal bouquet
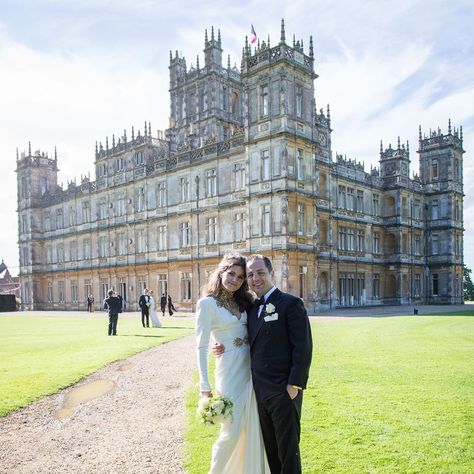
[214,410]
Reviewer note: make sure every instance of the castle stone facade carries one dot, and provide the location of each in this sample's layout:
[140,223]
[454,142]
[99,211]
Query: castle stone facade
[246,165]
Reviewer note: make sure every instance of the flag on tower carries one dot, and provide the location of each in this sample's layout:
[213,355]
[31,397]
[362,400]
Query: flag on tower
[253,37]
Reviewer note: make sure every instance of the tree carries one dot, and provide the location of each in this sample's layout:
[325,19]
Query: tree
[468,285]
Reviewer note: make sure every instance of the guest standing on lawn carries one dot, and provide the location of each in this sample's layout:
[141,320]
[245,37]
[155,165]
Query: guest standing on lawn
[90,304]
[113,305]
[163,304]
[171,307]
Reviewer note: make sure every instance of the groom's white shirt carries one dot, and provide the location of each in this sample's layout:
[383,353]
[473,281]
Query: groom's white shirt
[265,297]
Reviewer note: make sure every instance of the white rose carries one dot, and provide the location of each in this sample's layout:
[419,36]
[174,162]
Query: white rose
[204,403]
[269,308]
[219,406]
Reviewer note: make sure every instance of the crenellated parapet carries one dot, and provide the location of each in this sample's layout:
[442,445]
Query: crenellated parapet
[123,144]
[436,138]
[348,163]
[264,54]
[401,152]
[39,158]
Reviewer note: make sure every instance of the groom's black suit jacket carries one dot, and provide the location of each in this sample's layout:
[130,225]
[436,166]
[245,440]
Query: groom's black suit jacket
[142,302]
[280,350]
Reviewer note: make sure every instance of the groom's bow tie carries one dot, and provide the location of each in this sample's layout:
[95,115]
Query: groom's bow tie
[259,302]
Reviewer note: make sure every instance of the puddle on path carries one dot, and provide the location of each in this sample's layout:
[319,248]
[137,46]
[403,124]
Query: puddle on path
[82,394]
[126,366]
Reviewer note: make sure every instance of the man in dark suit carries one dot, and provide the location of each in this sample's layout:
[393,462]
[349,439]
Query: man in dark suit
[280,349]
[171,307]
[120,301]
[144,303]
[112,303]
[90,304]
[163,303]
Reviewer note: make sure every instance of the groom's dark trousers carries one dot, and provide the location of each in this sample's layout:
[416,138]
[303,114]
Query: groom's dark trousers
[281,350]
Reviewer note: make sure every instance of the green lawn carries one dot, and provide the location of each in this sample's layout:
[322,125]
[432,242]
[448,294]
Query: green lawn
[39,356]
[386,395]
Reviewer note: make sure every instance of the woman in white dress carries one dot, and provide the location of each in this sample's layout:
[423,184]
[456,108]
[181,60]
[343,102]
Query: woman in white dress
[221,316]
[155,320]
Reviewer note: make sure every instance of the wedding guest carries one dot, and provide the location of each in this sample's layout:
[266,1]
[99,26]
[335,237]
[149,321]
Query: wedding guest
[90,304]
[163,303]
[121,301]
[144,303]
[112,304]
[171,307]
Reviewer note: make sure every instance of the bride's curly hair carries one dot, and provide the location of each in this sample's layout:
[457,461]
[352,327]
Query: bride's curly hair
[214,287]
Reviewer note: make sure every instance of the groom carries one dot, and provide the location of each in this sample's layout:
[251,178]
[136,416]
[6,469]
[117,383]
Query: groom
[144,303]
[280,349]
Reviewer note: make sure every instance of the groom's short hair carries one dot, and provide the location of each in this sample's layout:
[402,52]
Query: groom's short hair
[110,292]
[266,260]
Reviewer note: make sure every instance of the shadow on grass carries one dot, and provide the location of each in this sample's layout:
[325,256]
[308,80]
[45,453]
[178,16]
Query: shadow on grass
[176,327]
[354,315]
[469,312]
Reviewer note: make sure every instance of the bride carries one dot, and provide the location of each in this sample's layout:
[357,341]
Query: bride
[155,320]
[221,316]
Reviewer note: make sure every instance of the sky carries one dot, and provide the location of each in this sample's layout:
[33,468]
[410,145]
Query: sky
[73,72]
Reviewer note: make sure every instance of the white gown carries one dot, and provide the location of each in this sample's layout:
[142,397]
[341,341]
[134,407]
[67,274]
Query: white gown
[155,320]
[239,448]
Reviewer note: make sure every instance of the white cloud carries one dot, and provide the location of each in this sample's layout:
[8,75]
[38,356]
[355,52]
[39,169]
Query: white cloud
[68,102]
[360,89]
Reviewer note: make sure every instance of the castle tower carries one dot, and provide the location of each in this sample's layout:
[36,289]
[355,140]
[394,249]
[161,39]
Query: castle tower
[441,156]
[37,176]
[280,84]
[394,165]
[280,123]
[206,103]
[177,69]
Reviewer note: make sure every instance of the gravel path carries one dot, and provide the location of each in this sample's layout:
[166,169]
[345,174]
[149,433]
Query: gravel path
[134,428]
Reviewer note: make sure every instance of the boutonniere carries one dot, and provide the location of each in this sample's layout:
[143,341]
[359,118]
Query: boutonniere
[269,308]
[269,313]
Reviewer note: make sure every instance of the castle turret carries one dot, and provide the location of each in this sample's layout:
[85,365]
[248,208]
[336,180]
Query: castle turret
[37,177]
[205,103]
[177,69]
[280,84]
[441,156]
[213,52]
[395,165]
[280,127]
[441,159]
[37,174]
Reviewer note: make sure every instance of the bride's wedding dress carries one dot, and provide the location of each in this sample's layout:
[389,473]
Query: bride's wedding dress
[155,320]
[239,448]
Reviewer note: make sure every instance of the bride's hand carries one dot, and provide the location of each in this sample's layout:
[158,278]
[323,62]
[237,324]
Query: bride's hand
[217,349]
[206,394]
